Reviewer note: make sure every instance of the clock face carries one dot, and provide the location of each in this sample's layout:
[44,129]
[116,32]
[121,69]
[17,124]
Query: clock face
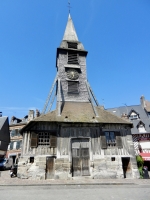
[72,74]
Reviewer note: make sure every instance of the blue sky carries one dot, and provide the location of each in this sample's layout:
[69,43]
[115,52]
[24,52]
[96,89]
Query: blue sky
[116,33]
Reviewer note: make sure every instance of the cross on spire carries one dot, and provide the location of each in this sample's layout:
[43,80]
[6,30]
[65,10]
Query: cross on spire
[69,7]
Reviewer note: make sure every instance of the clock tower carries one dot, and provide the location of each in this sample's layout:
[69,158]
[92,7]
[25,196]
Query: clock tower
[71,79]
[71,66]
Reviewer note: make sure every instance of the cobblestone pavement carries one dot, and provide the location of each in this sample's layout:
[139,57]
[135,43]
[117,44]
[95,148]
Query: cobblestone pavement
[6,180]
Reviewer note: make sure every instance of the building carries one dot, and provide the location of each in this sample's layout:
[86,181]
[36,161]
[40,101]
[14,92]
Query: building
[139,115]
[4,135]
[79,138]
[16,124]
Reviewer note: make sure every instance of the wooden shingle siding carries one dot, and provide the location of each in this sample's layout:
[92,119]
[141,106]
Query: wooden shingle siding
[34,140]
[103,142]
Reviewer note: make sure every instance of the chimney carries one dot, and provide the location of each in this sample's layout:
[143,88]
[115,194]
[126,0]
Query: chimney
[142,100]
[124,115]
[31,115]
[37,113]
[0,114]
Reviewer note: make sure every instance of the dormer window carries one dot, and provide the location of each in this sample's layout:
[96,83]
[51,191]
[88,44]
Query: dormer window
[141,127]
[72,45]
[133,115]
[72,57]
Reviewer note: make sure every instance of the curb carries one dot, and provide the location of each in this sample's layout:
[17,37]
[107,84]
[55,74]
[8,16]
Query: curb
[68,184]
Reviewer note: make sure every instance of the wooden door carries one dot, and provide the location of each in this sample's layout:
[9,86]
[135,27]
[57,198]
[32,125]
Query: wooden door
[85,161]
[50,167]
[126,166]
[80,157]
[76,162]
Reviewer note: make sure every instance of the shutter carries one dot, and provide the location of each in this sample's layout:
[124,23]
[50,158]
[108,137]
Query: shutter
[103,142]
[119,142]
[72,58]
[53,141]
[73,87]
[34,140]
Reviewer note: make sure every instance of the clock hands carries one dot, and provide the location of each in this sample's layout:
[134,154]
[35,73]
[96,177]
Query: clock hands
[72,74]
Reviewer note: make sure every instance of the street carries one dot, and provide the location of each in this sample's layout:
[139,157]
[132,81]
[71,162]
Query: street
[74,192]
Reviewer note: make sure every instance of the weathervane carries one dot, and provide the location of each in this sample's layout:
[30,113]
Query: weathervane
[69,5]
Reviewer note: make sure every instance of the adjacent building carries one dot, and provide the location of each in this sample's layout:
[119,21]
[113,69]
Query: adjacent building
[139,115]
[16,124]
[79,138]
[4,135]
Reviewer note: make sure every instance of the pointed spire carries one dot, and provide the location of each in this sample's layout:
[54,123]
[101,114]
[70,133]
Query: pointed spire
[70,32]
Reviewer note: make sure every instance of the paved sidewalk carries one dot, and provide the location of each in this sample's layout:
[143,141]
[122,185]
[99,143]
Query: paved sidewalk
[5,180]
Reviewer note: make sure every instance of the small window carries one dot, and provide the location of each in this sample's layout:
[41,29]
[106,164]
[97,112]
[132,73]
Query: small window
[31,159]
[133,116]
[72,58]
[110,138]
[112,158]
[73,87]
[72,45]
[14,133]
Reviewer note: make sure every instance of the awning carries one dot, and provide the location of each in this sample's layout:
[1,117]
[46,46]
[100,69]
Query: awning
[145,156]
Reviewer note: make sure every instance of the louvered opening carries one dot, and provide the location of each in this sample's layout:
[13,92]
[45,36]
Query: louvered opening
[72,45]
[73,87]
[72,58]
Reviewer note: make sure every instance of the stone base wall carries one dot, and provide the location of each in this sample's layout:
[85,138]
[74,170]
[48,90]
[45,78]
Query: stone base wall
[63,169]
[103,168]
[36,170]
[107,169]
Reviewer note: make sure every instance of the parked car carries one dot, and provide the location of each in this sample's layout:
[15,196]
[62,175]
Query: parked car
[6,163]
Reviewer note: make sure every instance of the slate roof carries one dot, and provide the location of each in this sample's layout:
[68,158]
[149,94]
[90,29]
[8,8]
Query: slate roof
[70,32]
[147,103]
[77,112]
[2,121]
[118,111]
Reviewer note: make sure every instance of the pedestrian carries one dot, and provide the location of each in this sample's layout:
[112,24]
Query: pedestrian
[145,172]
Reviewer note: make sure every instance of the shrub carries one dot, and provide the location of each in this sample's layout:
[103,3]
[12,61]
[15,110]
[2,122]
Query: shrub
[140,163]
